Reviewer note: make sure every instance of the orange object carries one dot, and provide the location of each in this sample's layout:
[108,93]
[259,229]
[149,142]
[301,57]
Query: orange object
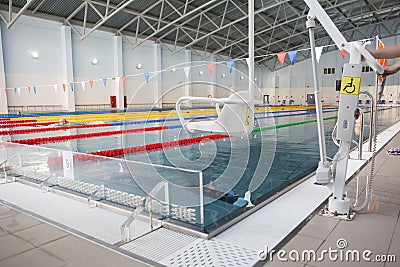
[382,61]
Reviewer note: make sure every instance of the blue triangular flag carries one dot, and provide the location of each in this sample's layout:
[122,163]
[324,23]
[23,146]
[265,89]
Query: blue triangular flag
[15,89]
[146,76]
[105,82]
[72,86]
[34,89]
[229,63]
[292,56]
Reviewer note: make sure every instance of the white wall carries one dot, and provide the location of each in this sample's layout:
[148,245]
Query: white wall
[33,34]
[297,81]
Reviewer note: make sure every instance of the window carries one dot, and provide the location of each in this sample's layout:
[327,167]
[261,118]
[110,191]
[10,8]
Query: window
[367,69]
[329,71]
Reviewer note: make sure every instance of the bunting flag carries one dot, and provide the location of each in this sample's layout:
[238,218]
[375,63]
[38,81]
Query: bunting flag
[117,79]
[343,53]
[55,88]
[5,91]
[63,87]
[292,56]
[91,83]
[229,63]
[281,57]
[248,61]
[15,90]
[105,82]
[147,76]
[186,70]
[72,86]
[29,89]
[123,79]
[19,90]
[34,90]
[210,67]
[83,86]
[318,52]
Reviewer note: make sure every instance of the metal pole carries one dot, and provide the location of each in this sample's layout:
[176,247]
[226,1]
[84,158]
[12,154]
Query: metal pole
[251,55]
[318,105]
[201,198]
[372,123]
[361,137]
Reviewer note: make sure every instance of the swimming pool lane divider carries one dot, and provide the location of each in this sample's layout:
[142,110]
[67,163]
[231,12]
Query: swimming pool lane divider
[54,139]
[57,160]
[125,123]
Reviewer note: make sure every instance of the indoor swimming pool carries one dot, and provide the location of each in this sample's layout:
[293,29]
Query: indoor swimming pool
[197,181]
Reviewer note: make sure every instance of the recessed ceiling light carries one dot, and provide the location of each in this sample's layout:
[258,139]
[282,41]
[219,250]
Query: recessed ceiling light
[94,61]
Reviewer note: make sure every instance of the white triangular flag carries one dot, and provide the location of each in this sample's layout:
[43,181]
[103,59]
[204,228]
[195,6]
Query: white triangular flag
[248,61]
[186,70]
[318,52]
[19,90]
[83,86]
[55,88]
[117,79]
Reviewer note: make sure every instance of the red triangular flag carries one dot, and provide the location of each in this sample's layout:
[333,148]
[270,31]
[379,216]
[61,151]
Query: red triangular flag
[281,57]
[343,53]
[91,83]
[29,89]
[63,86]
[123,79]
[210,67]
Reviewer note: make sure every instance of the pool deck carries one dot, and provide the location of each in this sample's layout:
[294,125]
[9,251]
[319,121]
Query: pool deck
[377,229]
[35,236]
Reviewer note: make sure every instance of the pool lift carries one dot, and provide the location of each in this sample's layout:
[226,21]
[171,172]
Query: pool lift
[237,114]
[339,204]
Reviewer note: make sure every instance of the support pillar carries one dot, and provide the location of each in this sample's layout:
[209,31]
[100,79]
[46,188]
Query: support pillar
[3,95]
[118,72]
[158,78]
[214,77]
[188,86]
[67,66]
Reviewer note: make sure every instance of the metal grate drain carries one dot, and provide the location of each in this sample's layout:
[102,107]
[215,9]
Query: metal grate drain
[211,253]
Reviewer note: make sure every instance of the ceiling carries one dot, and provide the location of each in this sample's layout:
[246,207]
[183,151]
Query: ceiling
[218,27]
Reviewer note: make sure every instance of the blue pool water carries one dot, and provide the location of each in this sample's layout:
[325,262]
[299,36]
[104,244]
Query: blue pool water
[285,155]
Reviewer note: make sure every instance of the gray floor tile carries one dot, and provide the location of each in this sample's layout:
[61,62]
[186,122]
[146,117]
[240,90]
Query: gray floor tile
[41,234]
[392,180]
[11,245]
[18,222]
[390,167]
[6,211]
[301,243]
[366,231]
[277,263]
[3,232]
[84,253]
[32,258]
[385,196]
[319,227]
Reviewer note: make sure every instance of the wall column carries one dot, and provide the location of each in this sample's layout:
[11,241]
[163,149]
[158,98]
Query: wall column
[214,77]
[118,72]
[188,86]
[158,101]
[3,95]
[68,70]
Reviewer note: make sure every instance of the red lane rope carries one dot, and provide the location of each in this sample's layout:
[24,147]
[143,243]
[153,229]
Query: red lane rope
[55,139]
[8,121]
[51,129]
[14,125]
[57,160]
[157,146]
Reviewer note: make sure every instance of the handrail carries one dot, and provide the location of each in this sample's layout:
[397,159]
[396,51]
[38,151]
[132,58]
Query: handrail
[371,125]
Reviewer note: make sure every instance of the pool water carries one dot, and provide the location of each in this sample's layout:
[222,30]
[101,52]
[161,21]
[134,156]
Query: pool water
[265,162]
